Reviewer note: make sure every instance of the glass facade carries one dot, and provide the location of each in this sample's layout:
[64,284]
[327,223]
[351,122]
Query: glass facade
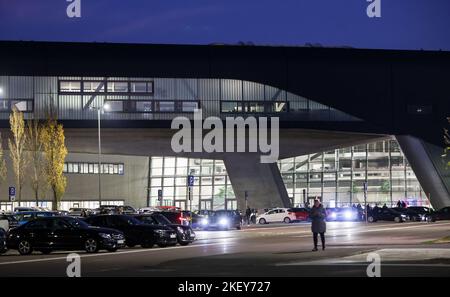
[338,176]
[212,187]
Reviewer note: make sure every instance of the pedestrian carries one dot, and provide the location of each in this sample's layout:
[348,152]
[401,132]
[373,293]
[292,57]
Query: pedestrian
[248,212]
[403,204]
[399,204]
[384,206]
[318,225]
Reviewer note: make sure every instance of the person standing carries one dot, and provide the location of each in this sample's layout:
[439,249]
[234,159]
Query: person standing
[318,225]
[248,213]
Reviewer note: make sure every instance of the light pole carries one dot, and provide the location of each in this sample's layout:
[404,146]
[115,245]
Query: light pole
[101,109]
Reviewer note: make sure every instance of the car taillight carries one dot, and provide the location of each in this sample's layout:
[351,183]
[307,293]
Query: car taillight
[289,213]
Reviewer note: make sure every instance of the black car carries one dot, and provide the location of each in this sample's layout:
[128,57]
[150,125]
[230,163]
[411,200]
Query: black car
[185,234]
[411,214]
[441,214]
[386,214]
[223,219]
[46,234]
[2,241]
[175,217]
[136,232]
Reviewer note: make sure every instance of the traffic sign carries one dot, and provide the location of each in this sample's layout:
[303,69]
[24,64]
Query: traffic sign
[190,181]
[159,195]
[12,194]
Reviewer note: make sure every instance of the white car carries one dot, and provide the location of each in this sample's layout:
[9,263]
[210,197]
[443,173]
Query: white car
[276,215]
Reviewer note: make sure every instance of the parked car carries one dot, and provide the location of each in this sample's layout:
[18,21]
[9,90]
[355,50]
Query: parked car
[301,213]
[22,208]
[441,214]
[175,217]
[410,213]
[342,214]
[185,234]
[3,247]
[136,232]
[277,215]
[26,216]
[4,222]
[147,209]
[223,219]
[79,212]
[46,234]
[386,214]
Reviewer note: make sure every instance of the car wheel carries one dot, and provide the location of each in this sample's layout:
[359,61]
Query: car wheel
[287,220]
[262,221]
[25,247]
[238,227]
[91,245]
[397,219]
[371,219]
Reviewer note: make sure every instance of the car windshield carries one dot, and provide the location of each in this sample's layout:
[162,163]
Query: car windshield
[76,223]
[161,219]
[132,220]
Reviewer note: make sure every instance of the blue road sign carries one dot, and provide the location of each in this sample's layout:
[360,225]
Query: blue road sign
[12,193]
[159,195]
[190,180]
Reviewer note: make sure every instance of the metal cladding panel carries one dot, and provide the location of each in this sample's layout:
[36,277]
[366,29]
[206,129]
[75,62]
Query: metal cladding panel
[187,89]
[231,89]
[164,88]
[21,87]
[253,91]
[209,95]
[274,94]
[70,107]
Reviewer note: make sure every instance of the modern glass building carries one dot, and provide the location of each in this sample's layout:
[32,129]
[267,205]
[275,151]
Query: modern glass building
[319,96]
[338,176]
[212,187]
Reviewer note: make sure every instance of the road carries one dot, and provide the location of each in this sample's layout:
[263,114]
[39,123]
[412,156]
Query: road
[270,251]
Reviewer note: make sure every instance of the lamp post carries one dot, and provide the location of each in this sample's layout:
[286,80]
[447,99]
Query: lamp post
[101,109]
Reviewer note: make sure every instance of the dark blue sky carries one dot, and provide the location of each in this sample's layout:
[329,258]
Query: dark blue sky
[405,24]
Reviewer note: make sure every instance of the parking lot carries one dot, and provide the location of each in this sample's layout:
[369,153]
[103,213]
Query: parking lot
[263,250]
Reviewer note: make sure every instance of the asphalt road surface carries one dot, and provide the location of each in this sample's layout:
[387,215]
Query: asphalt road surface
[270,251]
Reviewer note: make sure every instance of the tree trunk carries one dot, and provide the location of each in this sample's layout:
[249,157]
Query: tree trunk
[55,200]
[36,196]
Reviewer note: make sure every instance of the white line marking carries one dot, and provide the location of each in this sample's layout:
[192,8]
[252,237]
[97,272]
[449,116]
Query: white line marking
[110,254]
[386,229]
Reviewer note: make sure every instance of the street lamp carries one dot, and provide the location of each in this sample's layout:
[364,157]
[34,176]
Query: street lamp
[105,107]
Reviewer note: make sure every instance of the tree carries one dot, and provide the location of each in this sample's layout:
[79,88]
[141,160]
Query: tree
[35,146]
[55,152]
[2,161]
[446,155]
[17,149]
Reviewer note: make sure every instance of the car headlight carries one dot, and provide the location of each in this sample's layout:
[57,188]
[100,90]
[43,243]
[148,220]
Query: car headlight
[180,229]
[159,231]
[105,235]
[204,222]
[349,215]
[333,215]
[223,221]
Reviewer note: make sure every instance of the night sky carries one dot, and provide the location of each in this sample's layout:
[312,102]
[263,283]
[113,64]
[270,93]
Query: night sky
[405,24]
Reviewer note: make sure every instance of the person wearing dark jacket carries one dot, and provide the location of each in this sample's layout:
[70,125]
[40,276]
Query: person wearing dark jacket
[318,225]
